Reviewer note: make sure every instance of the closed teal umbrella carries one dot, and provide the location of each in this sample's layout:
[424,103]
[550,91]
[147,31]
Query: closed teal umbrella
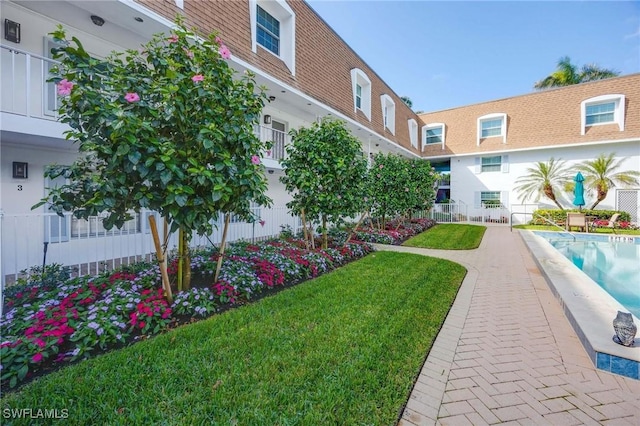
[578,191]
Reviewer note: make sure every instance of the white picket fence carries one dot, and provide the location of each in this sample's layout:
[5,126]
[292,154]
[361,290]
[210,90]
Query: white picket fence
[87,248]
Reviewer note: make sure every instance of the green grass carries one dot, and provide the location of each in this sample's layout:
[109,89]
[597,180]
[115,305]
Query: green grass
[591,230]
[449,237]
[344,348]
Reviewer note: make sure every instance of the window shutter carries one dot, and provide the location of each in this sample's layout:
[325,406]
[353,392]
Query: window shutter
[476,199]
[505,164]
[478,165]
[504,199]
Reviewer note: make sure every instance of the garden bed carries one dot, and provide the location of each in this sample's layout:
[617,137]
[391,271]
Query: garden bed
[55,320]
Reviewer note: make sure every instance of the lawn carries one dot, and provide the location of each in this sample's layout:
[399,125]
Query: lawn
[449,237]
[344,348]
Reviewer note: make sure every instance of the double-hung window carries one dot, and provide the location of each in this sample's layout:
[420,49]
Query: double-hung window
[490,198]
[388,113]
[600,113]
[361,86]
[492,126]
[432,134]
[491,164]
[268,31]
[602,110]
[413,132]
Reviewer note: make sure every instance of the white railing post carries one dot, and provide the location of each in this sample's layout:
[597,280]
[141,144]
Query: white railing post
[2,279]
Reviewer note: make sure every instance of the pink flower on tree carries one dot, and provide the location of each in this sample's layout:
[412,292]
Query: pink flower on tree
[255,159]
[381,165]
[188,53]
[218,40]
[64,87]
[261,222]
[173,39]
[197,78]
[224,51]
[37,357]
[132,97]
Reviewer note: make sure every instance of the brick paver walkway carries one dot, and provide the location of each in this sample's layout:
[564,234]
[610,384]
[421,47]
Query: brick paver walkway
[507,354]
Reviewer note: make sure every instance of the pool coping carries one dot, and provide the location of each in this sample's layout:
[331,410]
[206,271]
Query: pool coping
[589,308]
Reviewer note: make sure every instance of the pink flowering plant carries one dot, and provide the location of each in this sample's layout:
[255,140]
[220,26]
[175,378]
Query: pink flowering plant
[168,127]
[48,322]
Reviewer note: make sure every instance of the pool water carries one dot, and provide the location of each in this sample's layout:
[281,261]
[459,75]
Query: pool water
[614,265]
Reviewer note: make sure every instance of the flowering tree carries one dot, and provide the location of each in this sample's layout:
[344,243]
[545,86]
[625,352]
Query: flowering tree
[324,171]
[166,128]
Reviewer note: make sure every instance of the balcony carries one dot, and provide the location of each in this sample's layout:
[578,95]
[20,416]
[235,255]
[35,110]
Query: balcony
[25,91]
[279,140]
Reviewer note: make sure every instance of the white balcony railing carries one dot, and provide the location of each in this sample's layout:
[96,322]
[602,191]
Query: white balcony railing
[278,138]
[88,248]
[25,90]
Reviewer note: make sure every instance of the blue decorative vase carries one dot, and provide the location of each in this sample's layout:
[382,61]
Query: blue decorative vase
[625,329]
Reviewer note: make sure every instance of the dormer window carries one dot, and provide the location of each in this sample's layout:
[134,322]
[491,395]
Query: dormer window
[413,132]
[361,86]
[601,110]
[273,28]
[492,125]
[388,113]
[433,134]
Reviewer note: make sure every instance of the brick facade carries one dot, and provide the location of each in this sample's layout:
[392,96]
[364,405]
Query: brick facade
[323,60]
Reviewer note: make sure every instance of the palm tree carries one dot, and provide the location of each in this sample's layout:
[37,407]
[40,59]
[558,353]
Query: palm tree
[603,173]
[544,179]
[567,74]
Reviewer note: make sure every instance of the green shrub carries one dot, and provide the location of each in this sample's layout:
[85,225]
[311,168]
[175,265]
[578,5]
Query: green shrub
[560,216]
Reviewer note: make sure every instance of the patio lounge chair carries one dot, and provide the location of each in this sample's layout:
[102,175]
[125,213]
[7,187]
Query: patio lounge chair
[577,220]
[612,222]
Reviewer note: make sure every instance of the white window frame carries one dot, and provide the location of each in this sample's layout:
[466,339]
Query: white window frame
[503,127]
[359,78]
[413,132]
[281,11]
[431,126]
[504,199]
[618,112]
[388,113]
[504,164]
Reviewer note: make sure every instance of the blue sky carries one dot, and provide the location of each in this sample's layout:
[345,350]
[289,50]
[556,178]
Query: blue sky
[454,53]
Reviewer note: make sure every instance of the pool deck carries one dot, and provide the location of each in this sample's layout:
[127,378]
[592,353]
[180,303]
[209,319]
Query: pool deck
[507,353]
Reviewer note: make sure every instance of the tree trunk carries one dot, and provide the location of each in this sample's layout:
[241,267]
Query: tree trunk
[355,228]
[186,281]
[304,229]
[324,232]
[602,194]
[162,261]
[180,258]
[222,246]
[548,192]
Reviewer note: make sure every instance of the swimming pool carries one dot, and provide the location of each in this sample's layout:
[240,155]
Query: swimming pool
[589,308]
[613,263]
